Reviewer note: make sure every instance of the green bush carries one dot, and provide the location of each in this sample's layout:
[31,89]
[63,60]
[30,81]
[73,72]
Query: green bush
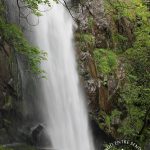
[106,60]
[89,39]
[134,95]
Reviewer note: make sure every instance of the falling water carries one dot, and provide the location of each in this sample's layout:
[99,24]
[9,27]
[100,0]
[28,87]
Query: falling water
[65,113]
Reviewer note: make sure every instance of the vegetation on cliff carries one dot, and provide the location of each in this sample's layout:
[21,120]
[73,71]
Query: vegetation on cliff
[134,94]
[122,66]
[13,36]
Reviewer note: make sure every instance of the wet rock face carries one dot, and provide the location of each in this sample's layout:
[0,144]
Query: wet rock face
[87,70]
[4,72]
[35,135]
[4,137]
[95,9]
[100,137]
[39,136]
[92,93]
[92,8]
[93,22]
[10,93]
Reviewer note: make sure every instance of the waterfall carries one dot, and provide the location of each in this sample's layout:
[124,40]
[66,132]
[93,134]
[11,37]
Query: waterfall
[63,107]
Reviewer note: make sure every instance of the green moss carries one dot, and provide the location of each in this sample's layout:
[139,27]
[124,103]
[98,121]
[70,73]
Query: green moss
[90,22]
[88,39]
[106,60]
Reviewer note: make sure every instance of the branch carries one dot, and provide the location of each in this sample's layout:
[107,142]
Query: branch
[145,121]
[66,6]
[23,16]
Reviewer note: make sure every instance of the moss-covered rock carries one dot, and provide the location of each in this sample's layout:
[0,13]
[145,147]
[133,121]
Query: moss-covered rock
[18,147]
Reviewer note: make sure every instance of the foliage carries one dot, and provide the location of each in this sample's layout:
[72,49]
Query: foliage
[134,121]
[137,105]
[129,9]
[106,60]
[120,41]
[139,59]
[119,38]
[90,22]
[34,5]
[88,39]
[115,116]
[12,35]
[134,95]
[130,114]
[85,41]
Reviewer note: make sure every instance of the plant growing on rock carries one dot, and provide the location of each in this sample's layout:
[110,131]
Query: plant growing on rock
[106,61]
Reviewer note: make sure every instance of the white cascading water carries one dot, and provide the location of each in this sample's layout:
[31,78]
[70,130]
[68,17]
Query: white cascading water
[63,102]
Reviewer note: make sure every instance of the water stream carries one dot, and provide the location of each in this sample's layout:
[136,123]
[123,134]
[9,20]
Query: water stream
[65,113]
[62,102]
